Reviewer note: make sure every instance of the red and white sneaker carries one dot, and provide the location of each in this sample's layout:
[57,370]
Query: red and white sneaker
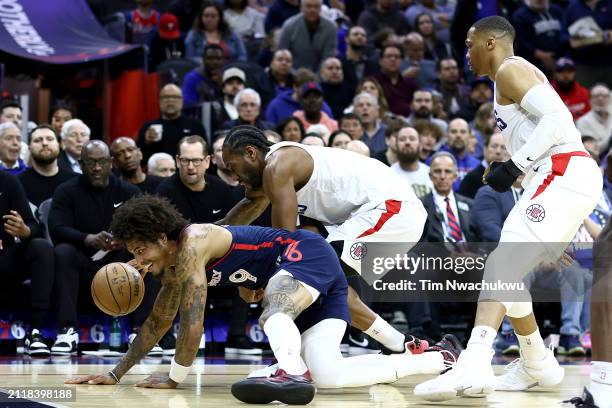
[286,388]
[412,345]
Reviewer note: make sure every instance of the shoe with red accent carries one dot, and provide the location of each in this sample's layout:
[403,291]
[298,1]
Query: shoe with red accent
[412,345]
[287,388]
[450,347]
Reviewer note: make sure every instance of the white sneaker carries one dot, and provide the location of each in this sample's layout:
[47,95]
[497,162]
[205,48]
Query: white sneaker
[471,376]
[521,374]
[66,343]
[156,351]
[35,345]
[264,372]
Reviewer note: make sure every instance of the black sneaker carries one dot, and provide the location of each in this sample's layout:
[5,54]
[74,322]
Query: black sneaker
[450,347]
[241,345]
[35,345]
[286,388]
[168,344]
[586,401]
[67,342]
[360,344]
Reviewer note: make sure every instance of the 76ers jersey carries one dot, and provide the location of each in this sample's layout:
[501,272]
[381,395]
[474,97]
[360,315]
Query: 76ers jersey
[343,181]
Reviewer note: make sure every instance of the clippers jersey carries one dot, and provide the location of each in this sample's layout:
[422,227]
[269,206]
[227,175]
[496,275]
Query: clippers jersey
[343,181]
[517,126]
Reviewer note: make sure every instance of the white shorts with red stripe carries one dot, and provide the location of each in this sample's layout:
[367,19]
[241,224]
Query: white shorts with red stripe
[563,190]
[392,221]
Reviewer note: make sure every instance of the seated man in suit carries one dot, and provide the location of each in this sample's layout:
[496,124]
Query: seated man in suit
[494,151]
[448,220]
[448,213]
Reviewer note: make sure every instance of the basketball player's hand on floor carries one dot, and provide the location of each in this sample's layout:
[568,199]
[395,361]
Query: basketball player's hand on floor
[95,379]
[157,380]
[250,296]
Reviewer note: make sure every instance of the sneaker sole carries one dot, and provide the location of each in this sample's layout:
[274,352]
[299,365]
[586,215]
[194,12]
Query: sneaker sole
[169,352]
[38,353]
[257,392]
[444,395]
[248,352]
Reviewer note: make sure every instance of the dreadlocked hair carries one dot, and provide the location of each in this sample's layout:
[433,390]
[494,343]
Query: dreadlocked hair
[495,24]
[245,135]
[145,218]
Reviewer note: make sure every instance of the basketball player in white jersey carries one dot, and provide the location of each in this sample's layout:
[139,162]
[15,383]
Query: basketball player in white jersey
[359,195]
[562,185]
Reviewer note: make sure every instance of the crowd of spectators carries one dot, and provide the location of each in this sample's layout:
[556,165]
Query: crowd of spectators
[383,78]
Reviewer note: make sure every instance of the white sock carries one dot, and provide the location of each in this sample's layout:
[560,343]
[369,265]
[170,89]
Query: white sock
[286,343]
[602,372]
[385,334]
[532,346]
[602,394]
[482,339]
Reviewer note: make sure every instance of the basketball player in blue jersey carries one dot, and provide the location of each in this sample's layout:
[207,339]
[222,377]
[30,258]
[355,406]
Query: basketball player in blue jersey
[562,185]
[304,297]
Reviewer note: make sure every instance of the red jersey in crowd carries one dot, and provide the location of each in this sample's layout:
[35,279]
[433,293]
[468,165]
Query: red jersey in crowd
[576,100]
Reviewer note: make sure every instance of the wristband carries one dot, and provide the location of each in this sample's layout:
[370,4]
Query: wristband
[114,376]
[178,373]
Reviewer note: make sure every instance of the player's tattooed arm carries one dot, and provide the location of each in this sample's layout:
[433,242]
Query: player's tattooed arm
[284,294]
[193,305]
[158,322]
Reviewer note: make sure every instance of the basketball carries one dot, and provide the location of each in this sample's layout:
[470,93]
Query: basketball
[117,289]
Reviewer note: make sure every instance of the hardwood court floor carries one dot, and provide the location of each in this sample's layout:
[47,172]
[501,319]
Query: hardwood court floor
[209,386]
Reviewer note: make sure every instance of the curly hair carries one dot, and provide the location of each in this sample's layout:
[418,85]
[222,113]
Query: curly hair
[145,218]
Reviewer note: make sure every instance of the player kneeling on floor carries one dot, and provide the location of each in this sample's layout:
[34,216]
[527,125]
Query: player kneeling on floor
[296,274]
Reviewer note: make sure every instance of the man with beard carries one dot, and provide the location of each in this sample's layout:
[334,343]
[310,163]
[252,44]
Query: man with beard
[338,93]
[422,108]
[573,95]
[312,102]
[79,223]
[356,63]
[126,159]
[41,180]
[408,165]
[457,138]
[174,125]
[198,196]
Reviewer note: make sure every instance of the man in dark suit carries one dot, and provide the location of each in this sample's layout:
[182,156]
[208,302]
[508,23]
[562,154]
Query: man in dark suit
[495,150]
[448,214]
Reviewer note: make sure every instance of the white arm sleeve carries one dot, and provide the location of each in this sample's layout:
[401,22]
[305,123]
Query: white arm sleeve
[543,102]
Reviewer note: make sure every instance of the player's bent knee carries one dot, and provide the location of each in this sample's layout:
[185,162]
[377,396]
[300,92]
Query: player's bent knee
[518,310]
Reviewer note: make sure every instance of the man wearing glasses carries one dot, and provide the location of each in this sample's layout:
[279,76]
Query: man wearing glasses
[200,197]
[162,134]
[79,223]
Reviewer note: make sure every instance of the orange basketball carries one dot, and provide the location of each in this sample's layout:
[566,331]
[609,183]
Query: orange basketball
[117,289]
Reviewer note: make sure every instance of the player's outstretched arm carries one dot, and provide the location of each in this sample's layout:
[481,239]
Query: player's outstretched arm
[246,210]
[279,186]
[521,83]
[158,322]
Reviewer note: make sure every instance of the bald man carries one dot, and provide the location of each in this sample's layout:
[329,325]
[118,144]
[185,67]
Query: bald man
[163,134]
[127,158]
[78,223]
[457,140]
[337,92]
